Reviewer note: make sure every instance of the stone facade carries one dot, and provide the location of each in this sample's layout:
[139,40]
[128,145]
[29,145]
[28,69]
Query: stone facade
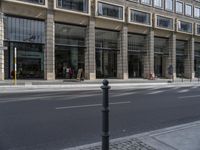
[49,54]
[50,15]
[1,46]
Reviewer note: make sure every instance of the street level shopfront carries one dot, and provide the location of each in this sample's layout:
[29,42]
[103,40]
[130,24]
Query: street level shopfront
[69,50]
[27,36]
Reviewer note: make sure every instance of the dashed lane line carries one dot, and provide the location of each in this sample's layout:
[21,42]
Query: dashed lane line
[91,105]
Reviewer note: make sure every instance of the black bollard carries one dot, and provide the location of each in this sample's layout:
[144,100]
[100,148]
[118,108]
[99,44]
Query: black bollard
[105,116]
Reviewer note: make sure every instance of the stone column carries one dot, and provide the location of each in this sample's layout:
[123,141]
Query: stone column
[90,61]
[149,57]
[1,45]
[49,52]
[122,59]
[172,56]
[189,61]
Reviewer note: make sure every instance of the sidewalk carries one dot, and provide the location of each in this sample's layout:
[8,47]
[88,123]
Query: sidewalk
[181,137]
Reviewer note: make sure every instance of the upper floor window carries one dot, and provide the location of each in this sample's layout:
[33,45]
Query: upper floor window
[184,26]
[197,12]
[179,7]
[158,3]
[111,11]
[169,5]
[164,22]
[198,29]
[148,2]
[42,2]
[188,10]
[74,5]
[140,17]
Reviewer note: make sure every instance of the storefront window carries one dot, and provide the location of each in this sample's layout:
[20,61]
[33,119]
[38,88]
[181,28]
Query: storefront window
[197,59]
[180,56]
[27,36]
[161,51]
[136,51]
[69,50]
[106,53]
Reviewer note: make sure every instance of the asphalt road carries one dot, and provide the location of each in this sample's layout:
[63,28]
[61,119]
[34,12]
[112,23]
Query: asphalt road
[62,119]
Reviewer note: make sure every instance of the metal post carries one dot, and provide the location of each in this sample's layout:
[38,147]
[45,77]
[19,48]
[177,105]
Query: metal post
[15,66]
[105,115]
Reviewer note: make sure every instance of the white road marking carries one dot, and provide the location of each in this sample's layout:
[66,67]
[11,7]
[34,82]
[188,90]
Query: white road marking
[68,97]
[92,105]
[123,94]
[192,96]
[155,92]
[183,91]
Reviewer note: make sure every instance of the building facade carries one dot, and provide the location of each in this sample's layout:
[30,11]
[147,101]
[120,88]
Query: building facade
[123,39]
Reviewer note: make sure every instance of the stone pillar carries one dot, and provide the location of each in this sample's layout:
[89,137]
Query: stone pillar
[172,56]
[149,57]
[1,46]
[90,61]
[189,61]
[49,52]
[122,59]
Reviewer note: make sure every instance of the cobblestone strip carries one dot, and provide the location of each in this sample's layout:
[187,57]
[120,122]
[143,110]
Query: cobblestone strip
[126,144]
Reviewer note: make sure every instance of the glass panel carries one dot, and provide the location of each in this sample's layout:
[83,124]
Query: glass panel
[135,65]
[75,5]
[197,12]
[181,47]
[70,35]
[109,10]
[185,26]
[188,10]
[140,17]
[158,3]
[179,7]
[107,39]
[25,30]
[137,43]
[198,29]
[41,2]
[30,60]
[148,2]
[169,5]
[197,59]
[164,22]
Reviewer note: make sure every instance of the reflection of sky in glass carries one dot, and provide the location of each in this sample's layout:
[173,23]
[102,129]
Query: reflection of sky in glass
[25,30]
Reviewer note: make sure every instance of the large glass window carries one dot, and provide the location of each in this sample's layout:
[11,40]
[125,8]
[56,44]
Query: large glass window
[198,29]
[180,57]
[169,5]
[136,50]
[41,2]
[140,17]
[69,50]
[24,30]
[148,2]
[196,12]
[27,36]
[184,26]
[164,22]
[106,53]
[197,59]
[158,3]
[188,10]
[111,11]
[74,5]
[179,7]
